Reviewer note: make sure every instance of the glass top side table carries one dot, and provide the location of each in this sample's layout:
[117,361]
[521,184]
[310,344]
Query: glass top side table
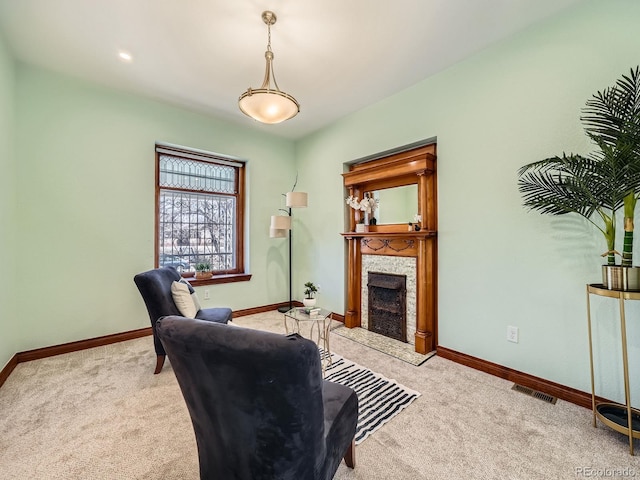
[315,328]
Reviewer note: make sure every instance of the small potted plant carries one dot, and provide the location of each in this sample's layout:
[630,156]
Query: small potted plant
[310,291]
[203,270]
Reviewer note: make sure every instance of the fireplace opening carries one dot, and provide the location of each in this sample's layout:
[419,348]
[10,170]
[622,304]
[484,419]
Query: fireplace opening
[387,308]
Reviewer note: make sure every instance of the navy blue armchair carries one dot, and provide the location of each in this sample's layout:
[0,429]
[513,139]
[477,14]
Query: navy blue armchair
[258,403]
[155,288]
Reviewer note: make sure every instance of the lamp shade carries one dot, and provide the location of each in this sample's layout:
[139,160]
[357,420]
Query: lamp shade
[296,199]
[277,233]
[268,106]
[280,222]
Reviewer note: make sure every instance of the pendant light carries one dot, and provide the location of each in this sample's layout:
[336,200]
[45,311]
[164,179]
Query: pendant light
[268,104]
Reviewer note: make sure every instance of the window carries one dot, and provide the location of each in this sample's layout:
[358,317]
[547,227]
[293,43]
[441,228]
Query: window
[200,213]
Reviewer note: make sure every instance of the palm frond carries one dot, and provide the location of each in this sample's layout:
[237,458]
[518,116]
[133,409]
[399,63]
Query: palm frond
[566,184]
[612,116]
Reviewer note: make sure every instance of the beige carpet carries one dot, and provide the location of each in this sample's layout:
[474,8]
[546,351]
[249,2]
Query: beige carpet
[101,414]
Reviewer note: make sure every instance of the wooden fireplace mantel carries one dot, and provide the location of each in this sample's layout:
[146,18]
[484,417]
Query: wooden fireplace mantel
[415,166]
[421,245]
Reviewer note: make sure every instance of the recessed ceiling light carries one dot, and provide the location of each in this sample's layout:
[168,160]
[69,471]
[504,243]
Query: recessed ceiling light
[125,56]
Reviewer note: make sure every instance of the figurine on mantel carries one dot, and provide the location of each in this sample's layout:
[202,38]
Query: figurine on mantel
[415,225]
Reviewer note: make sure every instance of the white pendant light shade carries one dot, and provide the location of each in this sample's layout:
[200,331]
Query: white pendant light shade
[296,199]
[280,222]
[277,233]
[268,106]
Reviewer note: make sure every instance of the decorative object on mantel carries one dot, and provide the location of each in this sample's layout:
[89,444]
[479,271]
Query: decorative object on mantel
[310,291]
[268,104]
[281,224]
[367,205]
[602,183]
[361,227]
[417,219]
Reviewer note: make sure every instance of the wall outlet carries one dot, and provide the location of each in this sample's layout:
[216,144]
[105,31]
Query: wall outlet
[512,334]
[206,294]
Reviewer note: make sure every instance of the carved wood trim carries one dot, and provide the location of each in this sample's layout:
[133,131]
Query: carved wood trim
[354,284]
[402,247]
[396,170]
[404,234]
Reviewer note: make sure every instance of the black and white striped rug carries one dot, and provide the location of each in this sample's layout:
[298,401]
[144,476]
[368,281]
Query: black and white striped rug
[379,399]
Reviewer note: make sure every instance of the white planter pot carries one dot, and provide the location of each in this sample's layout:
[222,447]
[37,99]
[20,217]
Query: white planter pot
[309,302]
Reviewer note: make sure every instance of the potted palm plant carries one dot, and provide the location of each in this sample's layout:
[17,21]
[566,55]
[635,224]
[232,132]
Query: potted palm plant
[599,185]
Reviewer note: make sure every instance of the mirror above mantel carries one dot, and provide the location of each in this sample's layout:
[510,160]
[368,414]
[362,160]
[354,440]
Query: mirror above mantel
[396,204]
[404,183]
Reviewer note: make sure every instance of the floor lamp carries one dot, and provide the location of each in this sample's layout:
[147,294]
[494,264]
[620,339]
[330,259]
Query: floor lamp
[280,224]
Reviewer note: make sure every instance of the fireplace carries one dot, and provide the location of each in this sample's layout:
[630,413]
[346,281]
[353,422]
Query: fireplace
[396,248]
[387,305]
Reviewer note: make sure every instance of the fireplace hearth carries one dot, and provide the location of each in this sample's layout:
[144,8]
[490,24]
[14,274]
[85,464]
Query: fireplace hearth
[387,306]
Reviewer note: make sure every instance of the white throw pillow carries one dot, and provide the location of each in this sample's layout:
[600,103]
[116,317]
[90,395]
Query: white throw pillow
[184,299]
[194,295]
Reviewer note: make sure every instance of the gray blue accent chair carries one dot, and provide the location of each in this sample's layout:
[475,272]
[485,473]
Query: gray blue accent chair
[155,288]
[258,403]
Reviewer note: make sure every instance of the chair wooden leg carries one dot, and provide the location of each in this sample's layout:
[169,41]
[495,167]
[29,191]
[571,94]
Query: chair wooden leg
[159,364]
[350,456]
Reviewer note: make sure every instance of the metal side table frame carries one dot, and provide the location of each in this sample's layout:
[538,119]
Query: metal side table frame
[318,331]
[597,406]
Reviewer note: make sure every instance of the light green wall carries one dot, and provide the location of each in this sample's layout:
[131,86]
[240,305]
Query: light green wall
[86,205]
[9,323]
[499,265]
[82,166]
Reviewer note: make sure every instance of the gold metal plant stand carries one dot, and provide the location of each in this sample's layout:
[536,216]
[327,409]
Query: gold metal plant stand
[619,417]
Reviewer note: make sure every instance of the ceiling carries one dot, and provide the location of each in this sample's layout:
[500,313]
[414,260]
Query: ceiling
[334,56]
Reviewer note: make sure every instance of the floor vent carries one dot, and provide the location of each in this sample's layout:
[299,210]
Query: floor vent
[534,393]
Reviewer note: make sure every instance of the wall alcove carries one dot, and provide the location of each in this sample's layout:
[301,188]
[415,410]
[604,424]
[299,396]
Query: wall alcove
[412,167]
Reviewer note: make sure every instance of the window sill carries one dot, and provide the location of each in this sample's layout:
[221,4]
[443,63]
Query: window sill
[227,278]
